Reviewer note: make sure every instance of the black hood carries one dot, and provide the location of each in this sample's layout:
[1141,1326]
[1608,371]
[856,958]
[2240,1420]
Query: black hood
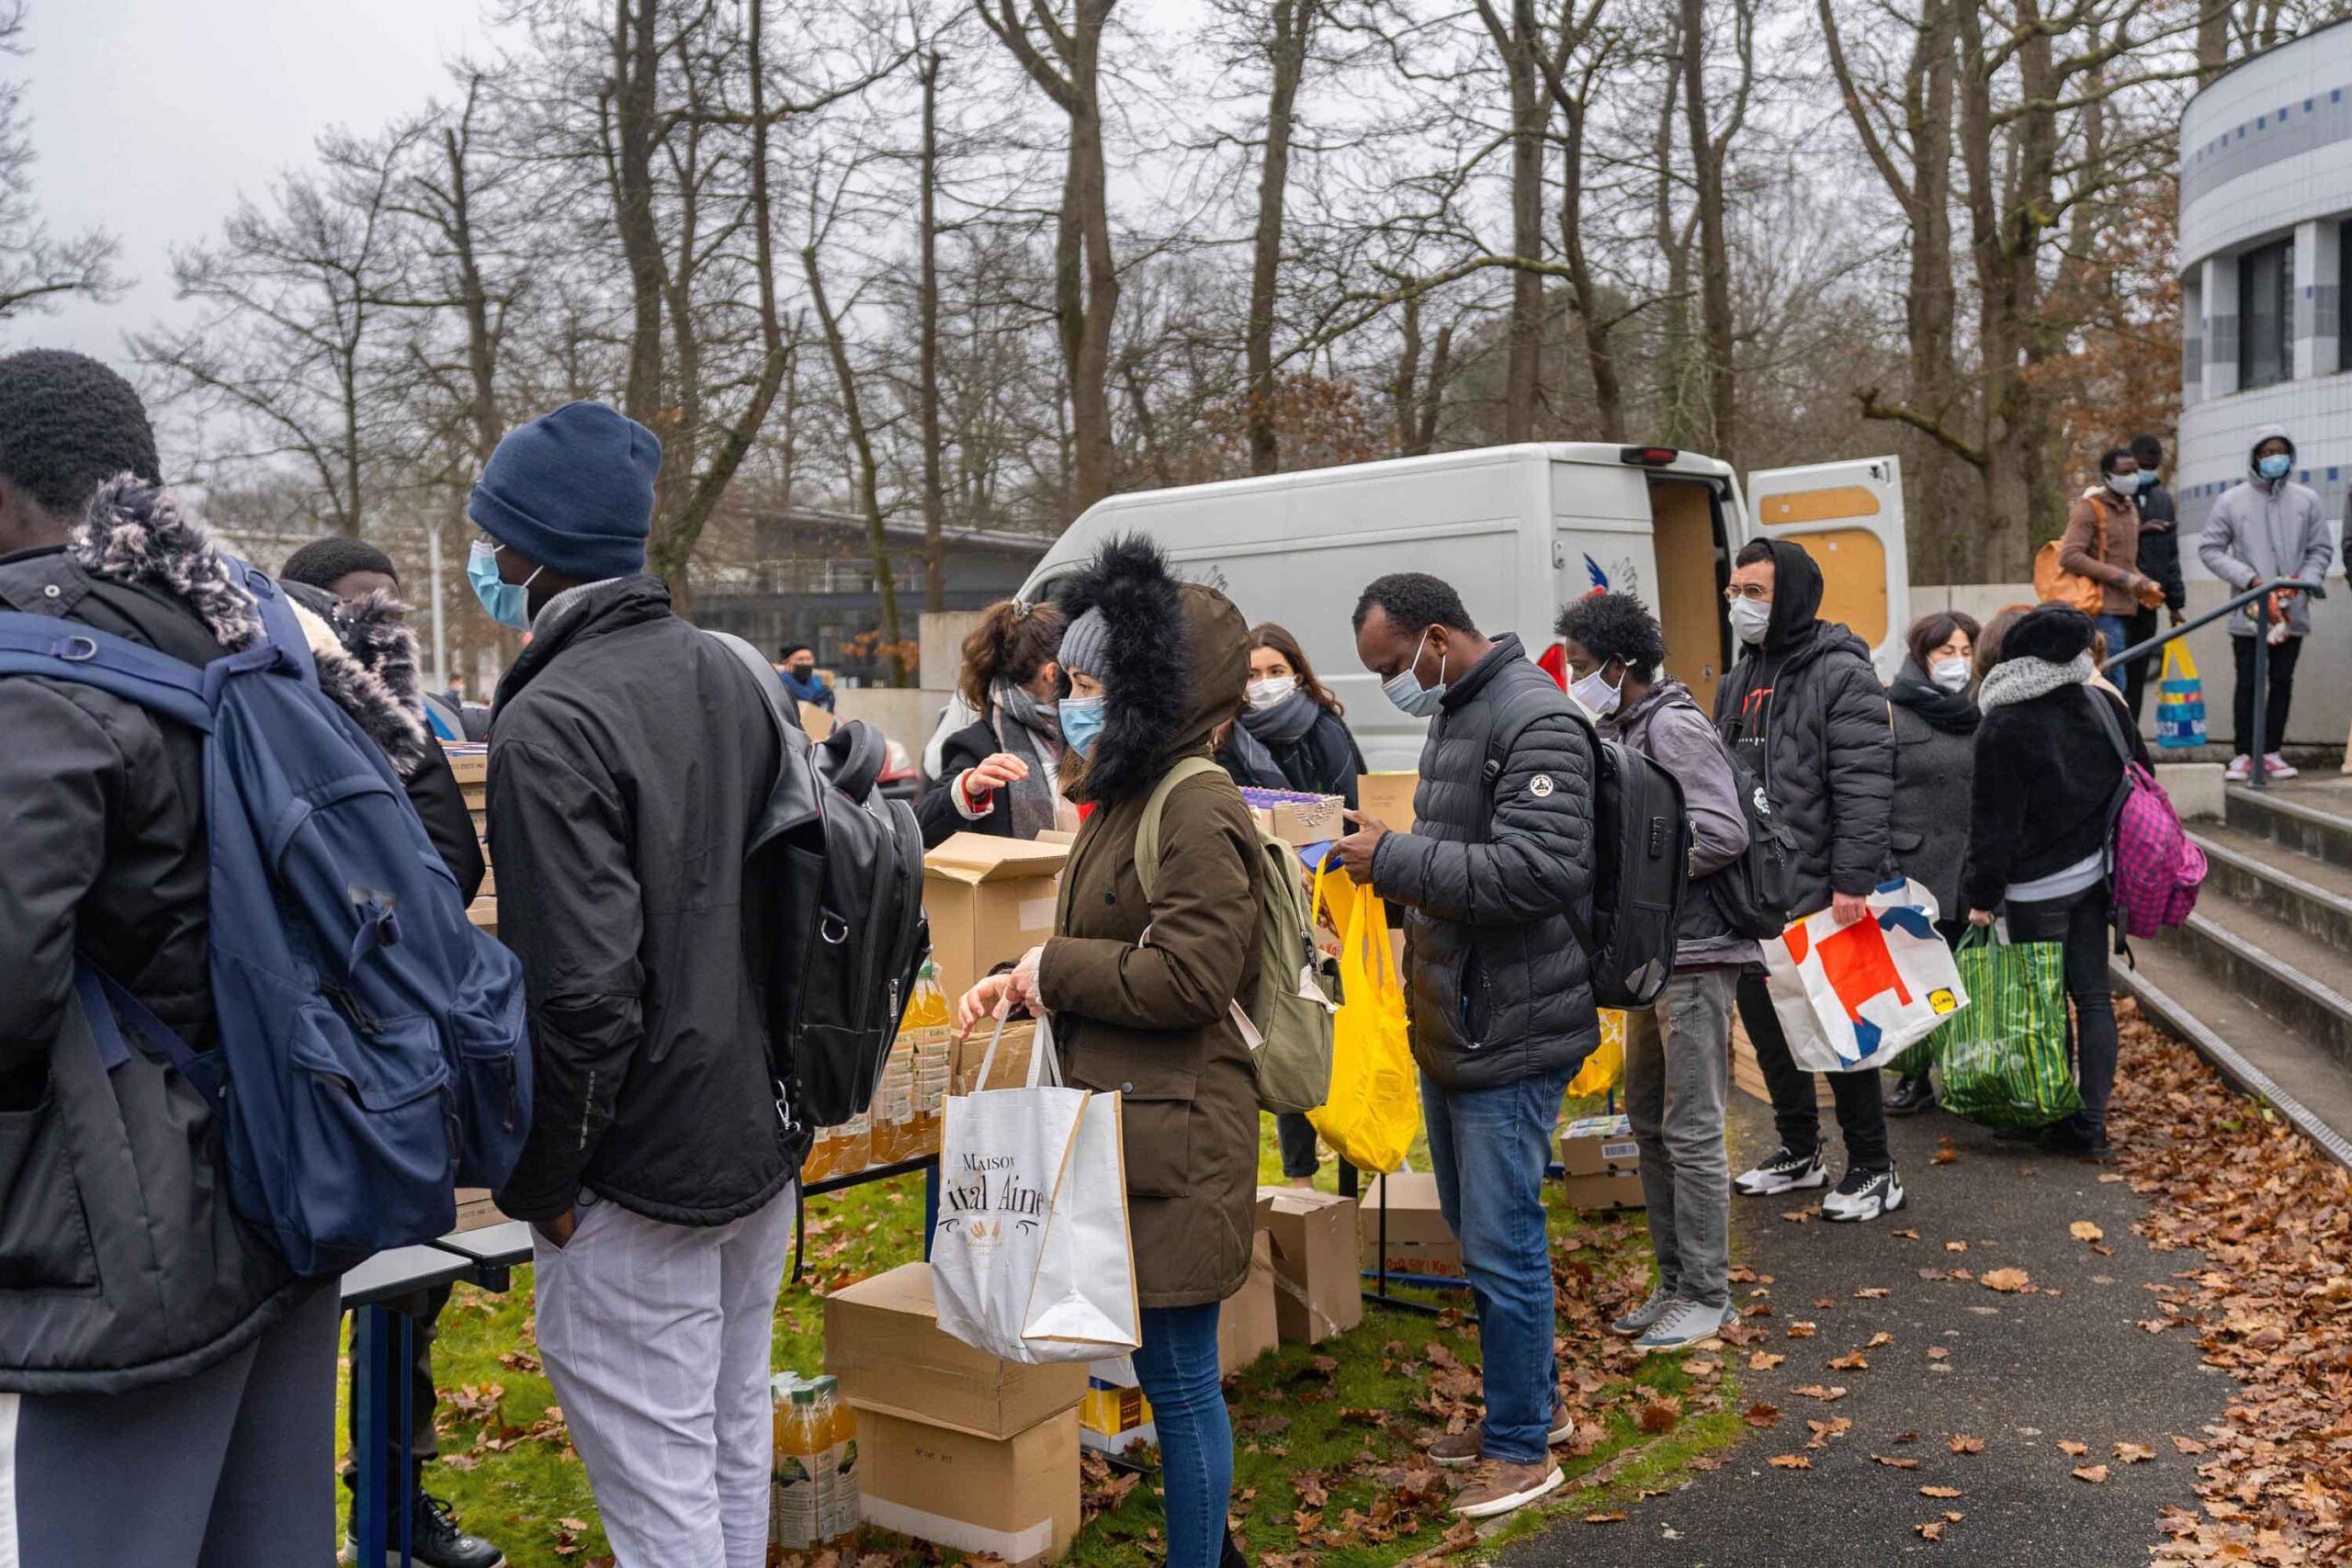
[1796,597]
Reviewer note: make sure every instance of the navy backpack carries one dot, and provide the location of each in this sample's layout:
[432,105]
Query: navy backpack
[371,1054]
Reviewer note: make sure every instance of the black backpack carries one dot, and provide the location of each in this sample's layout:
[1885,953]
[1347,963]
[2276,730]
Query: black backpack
[1756,894]
[1642,842]
[843,934]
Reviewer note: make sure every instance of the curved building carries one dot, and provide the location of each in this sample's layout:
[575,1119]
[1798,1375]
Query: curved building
[2265,257]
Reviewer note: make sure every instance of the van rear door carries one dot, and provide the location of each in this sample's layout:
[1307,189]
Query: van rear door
[1848,517]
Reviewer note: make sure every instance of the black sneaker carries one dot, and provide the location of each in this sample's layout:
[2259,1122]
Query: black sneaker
[1782,1171]
[1232,1557]
[435,1541]
[1910,1096]
[2078,1134]
[1863,1195]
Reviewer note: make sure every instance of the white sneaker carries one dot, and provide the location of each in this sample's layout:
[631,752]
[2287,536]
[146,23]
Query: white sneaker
[1781,1171]
[2278,767]
[1687,1328]
[1864,1195]
[1645,1316]
[2240,770]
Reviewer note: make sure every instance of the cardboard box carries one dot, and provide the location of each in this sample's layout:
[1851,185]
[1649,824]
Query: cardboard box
[1013,1497]
[1113,1417]
[475,1210]
[990,900]
[1747,1074]
[1387,798]
[1617,1190]
[1298,819]
[1599,1145]
[1317,1292]
[1418,1239]
[1245,1327]
[1010,1068]
[882,1340]
[816,721]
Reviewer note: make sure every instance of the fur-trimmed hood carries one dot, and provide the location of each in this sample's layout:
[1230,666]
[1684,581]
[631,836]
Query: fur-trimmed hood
[135,534]
[1178,658]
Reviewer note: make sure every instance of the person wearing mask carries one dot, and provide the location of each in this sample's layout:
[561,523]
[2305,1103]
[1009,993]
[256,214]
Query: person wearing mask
[2159,559]
[1001,774]
[2040,814]
[354,587]
[2102,543]
[1493,876]
[798,673]
[1154,665]
[1302,727]
[176,1411]
[630,758]
[2266,530]
[1935,746]
[1804,711]
[1678,1052]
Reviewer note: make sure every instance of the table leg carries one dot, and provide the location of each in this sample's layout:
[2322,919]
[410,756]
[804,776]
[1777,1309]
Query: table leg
[382,1345]
[929,1206]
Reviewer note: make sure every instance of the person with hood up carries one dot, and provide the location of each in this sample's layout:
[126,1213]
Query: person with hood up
[1493,878]
[1001,773]
[1934,700]
[629,760]
[2041,812]
[1154,666]
[2159,558]
[2102,543]
[1804,710]
[1677,1052]
[2266,530]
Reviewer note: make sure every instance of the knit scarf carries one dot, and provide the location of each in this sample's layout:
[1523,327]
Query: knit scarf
[811,689]
[1951,712]
[1246,751]
[2022,680]
[1284,724]
[1032,731]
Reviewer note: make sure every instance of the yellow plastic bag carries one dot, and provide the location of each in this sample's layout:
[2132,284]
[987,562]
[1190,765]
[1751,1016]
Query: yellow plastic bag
[1375,1109]
[1605,1069]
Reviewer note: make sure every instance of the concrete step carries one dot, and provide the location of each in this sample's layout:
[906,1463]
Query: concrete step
[2313,896]
[2313,818]
[2271,964]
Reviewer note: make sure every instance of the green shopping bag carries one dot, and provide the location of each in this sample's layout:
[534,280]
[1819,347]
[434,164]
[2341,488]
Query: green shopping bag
[2003,1059]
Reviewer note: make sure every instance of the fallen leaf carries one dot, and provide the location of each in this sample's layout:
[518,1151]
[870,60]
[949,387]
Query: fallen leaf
[1932,1530]
[1945,1153]
[1789,1462]
[1801,1331]
[2134,1453]
[1878,1340]
[1660,1415]
[1955,1247]
[2094,1473]
[2074,1450]
[1939,1352]
[2006,1280]
[1871,1294]
[1906,1235]
[1764,1360]
[1852,1361]
[1761,1414]
[2083,1230]
[1895,1464]
[2188,1445]
[1827,1395]
[1616,1518]
[1939,1491]
[1962,1443]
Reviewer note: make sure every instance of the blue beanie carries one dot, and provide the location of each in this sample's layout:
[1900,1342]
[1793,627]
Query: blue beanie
[572,490]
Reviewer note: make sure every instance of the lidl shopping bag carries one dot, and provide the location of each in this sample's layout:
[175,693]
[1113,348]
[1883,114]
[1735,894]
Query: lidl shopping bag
[1605,1069]
[1031,1259]
[2180,700]
[2004,1062]
[1853,997]
[1375,1107]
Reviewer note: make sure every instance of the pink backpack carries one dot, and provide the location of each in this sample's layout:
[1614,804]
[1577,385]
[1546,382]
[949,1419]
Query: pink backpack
[2157,869]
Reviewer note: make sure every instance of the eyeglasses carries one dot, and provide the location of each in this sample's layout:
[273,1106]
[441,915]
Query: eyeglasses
[1754,592]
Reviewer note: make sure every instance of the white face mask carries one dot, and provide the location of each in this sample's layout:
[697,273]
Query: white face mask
[1951,674]
[2125,485]
[1598,697]
[1749,620]
[1265,693]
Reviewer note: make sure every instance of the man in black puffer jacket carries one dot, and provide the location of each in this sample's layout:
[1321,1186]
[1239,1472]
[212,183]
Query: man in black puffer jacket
[1498,988]
[1805,711]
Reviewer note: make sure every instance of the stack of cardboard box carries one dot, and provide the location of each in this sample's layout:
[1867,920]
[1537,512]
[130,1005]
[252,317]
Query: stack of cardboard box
[1420,1241]
[990,900]
[1602,1162]
[1316,1289]
[956,1447]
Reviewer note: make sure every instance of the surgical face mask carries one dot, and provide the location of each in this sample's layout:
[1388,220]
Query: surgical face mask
[2275,465]
[1404,688]
[1951,674]
[1081,720]
[2147,478]
[1599,697]
[1265,693]
[2125,485]
[1749,620]
[508,604]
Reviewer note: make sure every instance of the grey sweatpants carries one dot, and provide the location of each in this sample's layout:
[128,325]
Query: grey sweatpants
[232,1467]
[1677,1069]
[656,1339]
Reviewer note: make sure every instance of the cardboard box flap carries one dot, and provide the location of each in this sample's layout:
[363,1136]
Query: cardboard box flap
[975,858]
[883,1340]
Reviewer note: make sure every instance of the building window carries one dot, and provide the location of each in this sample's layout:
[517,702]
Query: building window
[2344,295]
[2266,315]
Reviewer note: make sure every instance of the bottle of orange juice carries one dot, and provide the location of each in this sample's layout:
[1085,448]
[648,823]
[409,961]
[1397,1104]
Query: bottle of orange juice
[853,1144]
[930,1024]
[796,1490]
[839,1496]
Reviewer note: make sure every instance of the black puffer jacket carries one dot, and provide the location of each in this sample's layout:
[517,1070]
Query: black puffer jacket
[628,760]
[1807,713]
[1498,986]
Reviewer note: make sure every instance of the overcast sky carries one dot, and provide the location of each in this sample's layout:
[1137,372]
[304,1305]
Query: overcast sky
[151,116]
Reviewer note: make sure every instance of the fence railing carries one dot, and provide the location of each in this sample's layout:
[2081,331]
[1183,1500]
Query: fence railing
[2258,745]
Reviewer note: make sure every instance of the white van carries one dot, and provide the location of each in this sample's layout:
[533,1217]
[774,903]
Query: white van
[1519,532]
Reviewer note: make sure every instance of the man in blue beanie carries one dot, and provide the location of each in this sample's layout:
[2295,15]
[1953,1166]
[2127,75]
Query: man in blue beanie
[629,755]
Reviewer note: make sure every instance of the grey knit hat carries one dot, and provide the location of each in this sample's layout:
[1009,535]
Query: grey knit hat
[1086,643]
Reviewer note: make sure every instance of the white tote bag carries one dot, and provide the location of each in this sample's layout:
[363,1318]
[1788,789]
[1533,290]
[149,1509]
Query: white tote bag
[1031,1259]
[1856,997]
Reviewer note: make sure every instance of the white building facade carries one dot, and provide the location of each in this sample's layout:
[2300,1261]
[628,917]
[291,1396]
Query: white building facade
[2265,257]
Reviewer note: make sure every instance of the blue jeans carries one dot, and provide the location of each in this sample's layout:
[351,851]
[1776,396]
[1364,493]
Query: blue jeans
[1176,1364]
[2119,633]
[1493,1146]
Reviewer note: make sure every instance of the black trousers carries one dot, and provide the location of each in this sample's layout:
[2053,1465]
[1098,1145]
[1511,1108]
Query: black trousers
[2140,627]
[2080,921]
[1296,1135]
[423,1444]
[2279,695]
[1861,1108]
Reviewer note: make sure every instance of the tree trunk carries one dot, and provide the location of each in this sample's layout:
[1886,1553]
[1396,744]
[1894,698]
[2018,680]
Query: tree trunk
[870,487]
[1516,43]
[1089,376]
[1599,353]
[1293,21]
[636,69]
[1408,366]
[1715,262]
[934,499]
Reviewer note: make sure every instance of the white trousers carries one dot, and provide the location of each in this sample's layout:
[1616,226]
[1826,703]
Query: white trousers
[656,1338]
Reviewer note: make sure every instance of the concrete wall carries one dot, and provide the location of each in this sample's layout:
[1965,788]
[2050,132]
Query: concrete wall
[2323,712]
[943,634]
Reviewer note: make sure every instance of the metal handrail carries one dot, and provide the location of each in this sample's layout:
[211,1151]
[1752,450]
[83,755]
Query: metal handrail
[2259,775]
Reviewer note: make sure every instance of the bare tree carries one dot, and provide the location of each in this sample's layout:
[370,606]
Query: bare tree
[37,269]
[1710,151]
[1520,41]
[1285,41]
[935,490]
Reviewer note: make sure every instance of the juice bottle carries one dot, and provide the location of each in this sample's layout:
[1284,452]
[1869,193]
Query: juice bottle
[854,1145]
[819,1163]
[794,1489]
[929,1027]
[893,1124]
[842,1431]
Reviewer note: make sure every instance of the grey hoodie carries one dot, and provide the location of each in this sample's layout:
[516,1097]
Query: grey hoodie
[2266,529]
[1667,727]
